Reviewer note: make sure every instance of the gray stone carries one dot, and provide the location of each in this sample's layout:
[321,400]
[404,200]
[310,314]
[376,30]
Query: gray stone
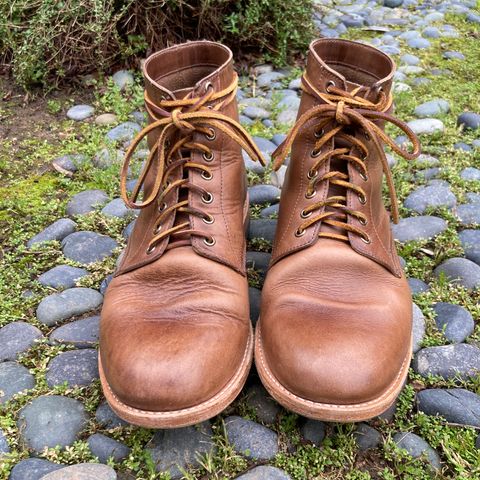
[417,286]
[468,214]
[82,333]
[430,196]
[278,138]
[107,418]
[418,43]
[251,439]
[104,448]
[69,163]
[448,361]
[106,119]
[4,447]
[117,209]
[33,469]
[452,55]
[424,159]
[393,3]
[291,102]
[456,405]
[262,228]
[88,247]
[83,471]
[432,108]
[245,121]
[16,338]
[270,212]
[473,17]
[122,79]
[75,368]
[278,177]
[367,437]
[105,282]
[124,132]
[418,328]
[266,408]
[409,59]
[295,84]
[313,431]
[258,261]
[432,32]
[462,146]
[268,78]
[80,112]
[255,297]
[470,240]
[85,202]
[417,447]
[50,421]
[14,379]
[62,276]
[56,231]
[127,231]
[470,173]
[428,173]
[174,450]
[469,120]
[287,117]
[473,197]
[70,302]
[264,472]
[461,271]
[426,126]
[106,157]
[259,194]
[255,112]
[454,321]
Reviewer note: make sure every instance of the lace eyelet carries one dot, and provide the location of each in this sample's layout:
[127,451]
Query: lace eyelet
[310,195]
[315,153]
[363,221]
[208,85]
[364,177]
[300,232]
[330,83]
[157,229]
[319,133]
[162,207]
[366,239]
[150,249]
[362,199]
[207,198]
[209,241]
[207,175]
[367,136]
[212,135]
[305,214]
[312,174]
[208,220]
[208,157]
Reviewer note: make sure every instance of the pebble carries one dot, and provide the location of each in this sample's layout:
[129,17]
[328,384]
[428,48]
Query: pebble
[367,437]
[4,447]
[432,108]
[258,261]
[128,229]
[106,157]
[470,240]
[255,297]
[88,247]
[62,276]
[461,271]
[418,228]
[418,43]
[264,472]
[75,368]
[107,418]
[86,201]
[432,32]
[456,405]
[83,471]
[106,119]
[470,173]
[16,338]
[409,59]
[56,231]
[426,126]
[174,450]
[122,79]
[124,132]
[468,214]
[393,3]
[430,196]
[262,228]
[448,361]
[270,212]
[417,447]
[83,333]
[277,178]
[14,379]
[255,112]
[452,55]
[454,321]
[117,209]
[417,286]
[69,163]
[418,328]
[295,84]
[424,159]
[469,120]
[260,194]
[80,112]
[313,431]
[251,439]
[104,448]
[51,420]
[69,303]
[266,408]
[33,469]
[268,78]
[462,146]
[278,138]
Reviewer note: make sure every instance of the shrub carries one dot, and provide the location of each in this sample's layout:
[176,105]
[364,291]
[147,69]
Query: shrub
[45,41]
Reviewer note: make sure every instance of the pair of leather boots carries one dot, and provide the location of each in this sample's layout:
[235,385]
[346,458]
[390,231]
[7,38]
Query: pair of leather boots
[333,341]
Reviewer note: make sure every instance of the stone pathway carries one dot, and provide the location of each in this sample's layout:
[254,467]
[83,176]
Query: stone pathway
[433,206]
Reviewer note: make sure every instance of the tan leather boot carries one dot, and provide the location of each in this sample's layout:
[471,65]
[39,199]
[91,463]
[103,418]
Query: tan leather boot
[334,338]
[175,337]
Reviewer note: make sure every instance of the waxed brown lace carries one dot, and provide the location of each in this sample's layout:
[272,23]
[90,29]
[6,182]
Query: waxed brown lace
[187,116]
[342,109]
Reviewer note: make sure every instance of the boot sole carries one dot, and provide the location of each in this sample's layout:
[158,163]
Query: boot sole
[186,416]
[324,411]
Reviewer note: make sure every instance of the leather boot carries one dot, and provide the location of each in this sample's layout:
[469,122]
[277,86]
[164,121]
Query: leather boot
[334,338]
[176,340]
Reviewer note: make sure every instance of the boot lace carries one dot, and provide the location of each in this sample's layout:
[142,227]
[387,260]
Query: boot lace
[180,119]
[344,109]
